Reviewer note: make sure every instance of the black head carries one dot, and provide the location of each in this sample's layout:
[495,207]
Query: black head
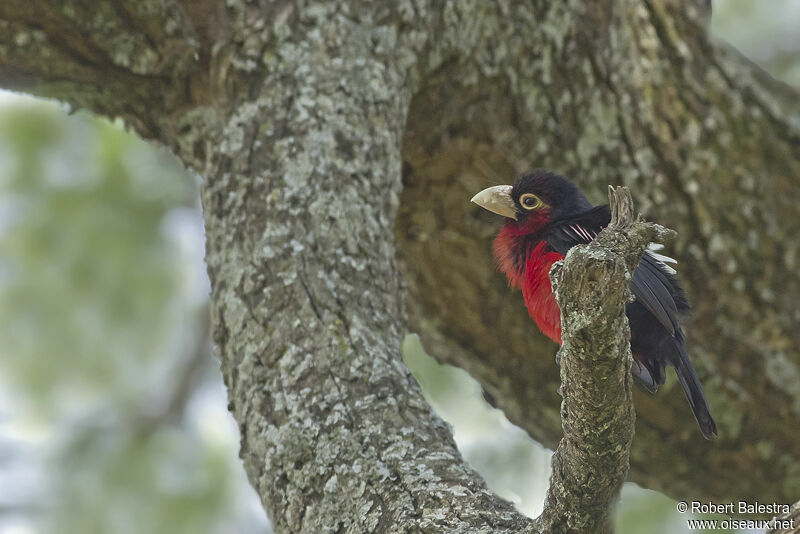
[543,190]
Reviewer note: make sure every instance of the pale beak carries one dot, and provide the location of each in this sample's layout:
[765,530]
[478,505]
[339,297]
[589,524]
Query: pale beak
[497,199]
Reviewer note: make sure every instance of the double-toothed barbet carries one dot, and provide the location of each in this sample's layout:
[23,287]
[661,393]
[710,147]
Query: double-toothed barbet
[546,215]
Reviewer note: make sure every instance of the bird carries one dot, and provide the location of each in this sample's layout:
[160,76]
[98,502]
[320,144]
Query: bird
[546,215]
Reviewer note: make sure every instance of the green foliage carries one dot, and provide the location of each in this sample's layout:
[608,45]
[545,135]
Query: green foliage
[84,254]
[103,338]
[766,32]
[161,482]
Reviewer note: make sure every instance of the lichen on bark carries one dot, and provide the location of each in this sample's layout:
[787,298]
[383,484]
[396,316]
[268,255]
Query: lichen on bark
[592,288]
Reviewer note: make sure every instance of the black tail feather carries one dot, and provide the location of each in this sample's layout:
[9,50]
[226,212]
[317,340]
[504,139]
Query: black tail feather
[694,392]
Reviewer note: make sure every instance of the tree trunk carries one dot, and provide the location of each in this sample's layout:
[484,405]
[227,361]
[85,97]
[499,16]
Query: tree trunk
[330,134]
[299,200]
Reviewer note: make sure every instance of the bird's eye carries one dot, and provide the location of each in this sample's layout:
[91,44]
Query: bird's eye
[530,201]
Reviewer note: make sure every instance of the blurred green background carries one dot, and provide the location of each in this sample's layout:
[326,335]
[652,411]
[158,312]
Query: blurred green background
[113,414]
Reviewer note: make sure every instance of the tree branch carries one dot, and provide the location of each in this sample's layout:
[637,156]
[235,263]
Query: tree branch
[591,286]
[121,58]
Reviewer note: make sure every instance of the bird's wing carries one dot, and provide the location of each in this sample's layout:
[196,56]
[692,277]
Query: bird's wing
[652,284]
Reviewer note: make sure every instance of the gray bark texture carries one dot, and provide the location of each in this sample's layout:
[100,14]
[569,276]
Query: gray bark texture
[338,143]
[592,287]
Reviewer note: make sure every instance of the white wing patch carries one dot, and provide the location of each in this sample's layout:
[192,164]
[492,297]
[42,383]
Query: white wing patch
[582,234]
[660,258]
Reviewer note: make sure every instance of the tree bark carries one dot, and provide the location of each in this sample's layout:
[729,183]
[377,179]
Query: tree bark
[330,134]
[592,287]
[299,203]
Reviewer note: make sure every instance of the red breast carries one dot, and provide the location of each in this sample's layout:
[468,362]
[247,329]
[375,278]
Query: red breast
[530,273]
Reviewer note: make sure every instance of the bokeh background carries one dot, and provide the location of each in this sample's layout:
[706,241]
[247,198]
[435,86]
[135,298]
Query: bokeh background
[113,414]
